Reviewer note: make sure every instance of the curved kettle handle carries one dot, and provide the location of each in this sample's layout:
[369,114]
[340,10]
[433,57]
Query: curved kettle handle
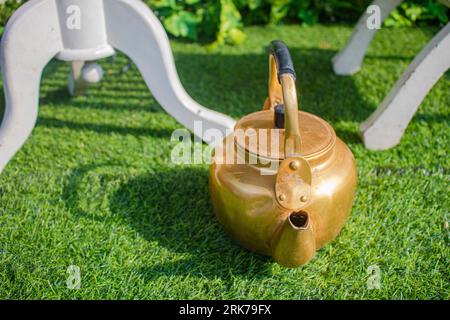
[282,91]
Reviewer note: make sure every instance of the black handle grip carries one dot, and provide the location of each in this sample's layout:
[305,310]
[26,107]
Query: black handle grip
[282,58]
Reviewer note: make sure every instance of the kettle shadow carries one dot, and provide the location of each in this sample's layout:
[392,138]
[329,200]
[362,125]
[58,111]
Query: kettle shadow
[172,208]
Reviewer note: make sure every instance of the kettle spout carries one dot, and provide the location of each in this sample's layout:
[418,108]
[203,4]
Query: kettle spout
[295,243]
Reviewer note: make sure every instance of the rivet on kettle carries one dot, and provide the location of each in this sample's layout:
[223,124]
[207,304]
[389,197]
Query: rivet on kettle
[303,198]
[294,165]
[282,197]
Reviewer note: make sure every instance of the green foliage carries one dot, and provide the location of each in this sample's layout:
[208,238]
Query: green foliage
[220,21]
[6,10]
[216,21]
[417,13]
[179,19]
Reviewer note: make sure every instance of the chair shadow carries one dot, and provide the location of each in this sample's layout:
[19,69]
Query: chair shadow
[51,122]
[116,91]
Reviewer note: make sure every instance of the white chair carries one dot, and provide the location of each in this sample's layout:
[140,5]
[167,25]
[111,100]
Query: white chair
[87,30]
[385,127]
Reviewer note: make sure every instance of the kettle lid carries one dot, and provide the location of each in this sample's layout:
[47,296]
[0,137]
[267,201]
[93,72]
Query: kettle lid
[257,134]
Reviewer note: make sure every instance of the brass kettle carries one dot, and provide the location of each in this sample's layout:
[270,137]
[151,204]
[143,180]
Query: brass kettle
[282,184]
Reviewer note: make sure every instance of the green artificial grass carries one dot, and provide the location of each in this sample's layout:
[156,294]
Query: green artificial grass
[94,186]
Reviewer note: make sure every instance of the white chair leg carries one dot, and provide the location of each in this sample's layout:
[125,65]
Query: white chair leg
[81,75]
[84,30]
[30,41]
[349,60]
[76,85]
[133,29]
[385,127]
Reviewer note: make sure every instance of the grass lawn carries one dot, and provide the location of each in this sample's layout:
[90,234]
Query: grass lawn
[94,186]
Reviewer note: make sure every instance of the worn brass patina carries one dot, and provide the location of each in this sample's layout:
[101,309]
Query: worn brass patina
[295,197]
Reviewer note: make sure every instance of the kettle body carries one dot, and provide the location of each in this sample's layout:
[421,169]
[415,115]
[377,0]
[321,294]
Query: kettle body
[282,184]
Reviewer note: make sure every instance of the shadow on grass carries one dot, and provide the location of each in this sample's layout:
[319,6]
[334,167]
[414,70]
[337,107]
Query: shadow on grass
[237,84]
[113,98]
[173,209]
[170,208]
[105,129]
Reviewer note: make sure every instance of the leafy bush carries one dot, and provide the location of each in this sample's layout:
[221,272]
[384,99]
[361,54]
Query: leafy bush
[216,21]
[220,21]
[418,13]
[6,10]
